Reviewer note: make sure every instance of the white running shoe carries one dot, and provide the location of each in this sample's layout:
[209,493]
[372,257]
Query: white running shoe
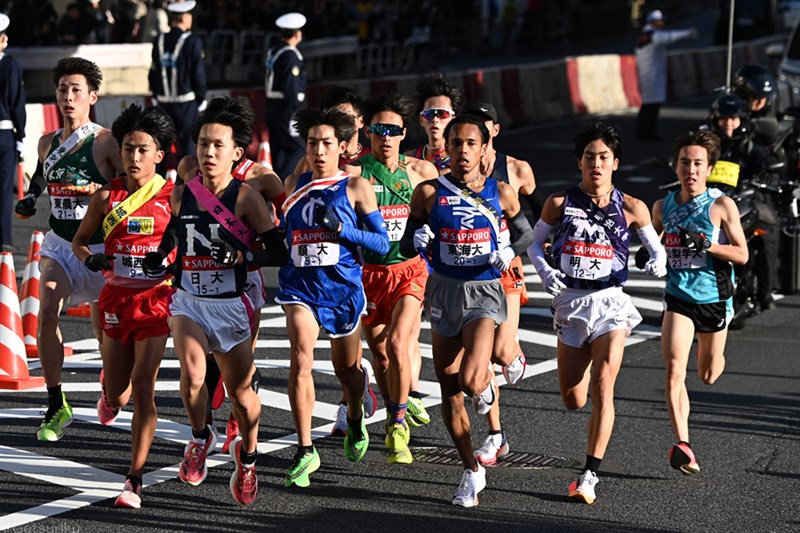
[471,484]
[370,400]
[340,426]
[494,447]
[583,489]
[482,403]
[515,370]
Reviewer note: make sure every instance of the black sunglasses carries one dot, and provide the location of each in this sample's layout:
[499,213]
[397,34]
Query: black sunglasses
[391,130]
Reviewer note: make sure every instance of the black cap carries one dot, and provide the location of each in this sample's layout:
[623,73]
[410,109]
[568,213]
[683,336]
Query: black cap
[481,109]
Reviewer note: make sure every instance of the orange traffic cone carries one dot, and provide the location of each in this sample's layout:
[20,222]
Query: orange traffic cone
[264,155]
[14,372]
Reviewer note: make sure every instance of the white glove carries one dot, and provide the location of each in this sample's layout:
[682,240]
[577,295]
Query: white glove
[21,148]
[551,280]
[501,259]
[202,106]
[422,237]
[657,266]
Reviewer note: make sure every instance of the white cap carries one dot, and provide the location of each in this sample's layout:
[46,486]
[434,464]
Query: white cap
[655,15]
[291,21]
[4,22]
[181,6]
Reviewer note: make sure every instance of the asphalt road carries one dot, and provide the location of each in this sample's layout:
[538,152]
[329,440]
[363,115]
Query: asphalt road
[744,428]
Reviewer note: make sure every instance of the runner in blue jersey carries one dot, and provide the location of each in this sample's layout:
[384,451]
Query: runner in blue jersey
[703,237]
[455,223]
[320,287]
[592,316]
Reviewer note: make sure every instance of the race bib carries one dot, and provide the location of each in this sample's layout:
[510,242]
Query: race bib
[201,276]
[396,217]
[314,248]
[582,260]
[69,202]
[681,258]
[466,247]
[726,173]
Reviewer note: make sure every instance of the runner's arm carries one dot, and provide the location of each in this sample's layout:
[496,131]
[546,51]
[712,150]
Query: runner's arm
[92,220]
[736,251]
[418,219]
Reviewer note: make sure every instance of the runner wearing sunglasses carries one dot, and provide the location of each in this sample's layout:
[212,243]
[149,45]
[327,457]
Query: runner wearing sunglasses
[394,284]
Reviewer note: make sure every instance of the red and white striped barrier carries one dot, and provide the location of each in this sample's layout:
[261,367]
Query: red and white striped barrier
[14,374]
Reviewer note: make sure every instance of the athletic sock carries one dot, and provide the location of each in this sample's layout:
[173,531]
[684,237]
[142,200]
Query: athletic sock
[416,394]
[247,458]
[305,449]
[203,434]
[54,398]
[593,464]
[495,432]
[399,415]
[136,481]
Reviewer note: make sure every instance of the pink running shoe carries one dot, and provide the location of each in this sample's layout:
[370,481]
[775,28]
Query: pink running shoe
[681,457]
[244,481]
[132,499]
[105,412]
[218,394]
[231,433]
[193,467]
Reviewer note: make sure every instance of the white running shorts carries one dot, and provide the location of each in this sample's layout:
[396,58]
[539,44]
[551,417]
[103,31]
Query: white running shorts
[581,315]
[227,322]
[86,285]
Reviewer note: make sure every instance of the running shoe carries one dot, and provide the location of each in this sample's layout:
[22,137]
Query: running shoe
[397,438]
[515,370]
[494,447]
[193,467]
[356,441]
[340,426]
[583,489]
[244,481]
[231,433]
[130,498]
[471,484]
[105,412]
[210,422]
[417,415]
[303,465]
[482,403]
[218,394]
[681,457]
[370,400]
[55,420]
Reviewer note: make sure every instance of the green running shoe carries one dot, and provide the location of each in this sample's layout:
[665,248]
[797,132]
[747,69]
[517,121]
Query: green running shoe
[388,428]
[303,464]
[52,427]
[397,443]
[416,414]
[356,441]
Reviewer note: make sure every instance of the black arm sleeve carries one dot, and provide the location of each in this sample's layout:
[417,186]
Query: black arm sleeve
[170,239]
[521,233]
[407,240]
[38,183]
[274,252]
[535,202]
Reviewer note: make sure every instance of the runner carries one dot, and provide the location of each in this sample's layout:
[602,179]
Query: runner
[592,316]
[703,236]
[216,218]
[507,351]
[394,284]
[464,295]
[74,162]
[321,286]
[133,211]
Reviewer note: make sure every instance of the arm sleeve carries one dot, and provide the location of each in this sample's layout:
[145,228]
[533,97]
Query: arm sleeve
[375,238]
[535,253]
[521,233]
[274,252]
[535,202]
[38,183]
[407,240]
[651,242]
[170,238]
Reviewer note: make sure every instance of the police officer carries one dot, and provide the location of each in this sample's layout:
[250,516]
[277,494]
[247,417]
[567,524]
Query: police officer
[12,130]
[178,74]
[286,91]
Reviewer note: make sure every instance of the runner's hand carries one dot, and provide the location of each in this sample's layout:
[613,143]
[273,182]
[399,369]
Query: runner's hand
[26,207]
[223,253]
[657,266]
[551,281]
[422,237]
[325,217]
[501,259]
[98,262]
[153,265]
[692,240]
[642,257]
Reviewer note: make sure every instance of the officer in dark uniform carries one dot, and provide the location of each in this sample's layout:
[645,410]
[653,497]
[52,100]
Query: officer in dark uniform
[286,91]
[12,131]
[178,74]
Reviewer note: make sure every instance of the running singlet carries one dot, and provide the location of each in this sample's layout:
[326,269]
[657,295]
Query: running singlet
[591,245]
[695,276]
[463,236]
[140,232]
[322,269]
[196,272]
[393,191]
[440,158]
[70,186]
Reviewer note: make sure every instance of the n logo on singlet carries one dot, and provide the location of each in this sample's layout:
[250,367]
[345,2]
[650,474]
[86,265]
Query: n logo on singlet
[467,215]
[192,235]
